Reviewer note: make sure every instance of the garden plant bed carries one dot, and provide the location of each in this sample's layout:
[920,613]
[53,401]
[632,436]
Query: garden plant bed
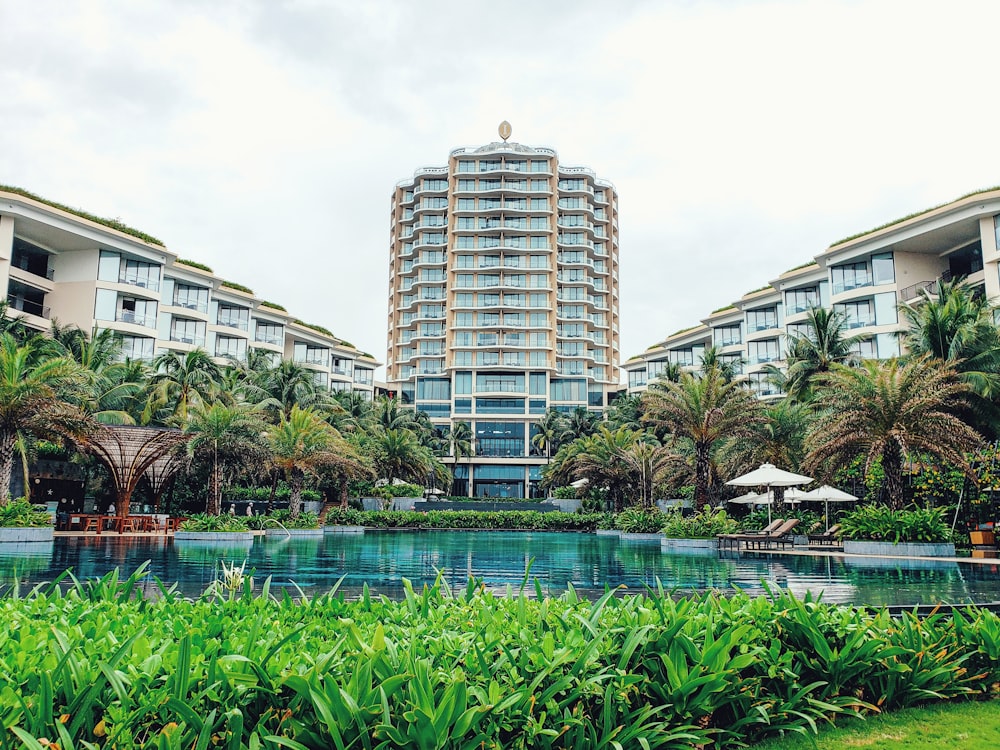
[21,534]
[323,672]
[690,546]
[218,537]
[277,531]
[903,549]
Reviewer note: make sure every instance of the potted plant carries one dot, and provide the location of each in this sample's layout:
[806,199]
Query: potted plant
[697,532]
[225,529]
[880,530]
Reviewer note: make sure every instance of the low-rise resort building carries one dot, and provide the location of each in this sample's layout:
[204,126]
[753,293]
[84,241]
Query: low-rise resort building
[61,264]
[864,277]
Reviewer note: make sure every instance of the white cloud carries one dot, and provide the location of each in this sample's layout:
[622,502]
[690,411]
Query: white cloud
[743,137]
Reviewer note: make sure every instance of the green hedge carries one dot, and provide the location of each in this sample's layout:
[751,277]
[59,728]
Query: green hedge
[284,518]
[640,521]
[98,666]
[260,495]
[464,519]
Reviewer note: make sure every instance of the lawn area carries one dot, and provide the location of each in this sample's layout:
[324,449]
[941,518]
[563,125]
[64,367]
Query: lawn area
[943,726]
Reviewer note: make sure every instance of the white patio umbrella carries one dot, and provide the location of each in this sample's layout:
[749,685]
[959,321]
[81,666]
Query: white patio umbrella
[579,483]
[828,495]
[751,498]
[770,476]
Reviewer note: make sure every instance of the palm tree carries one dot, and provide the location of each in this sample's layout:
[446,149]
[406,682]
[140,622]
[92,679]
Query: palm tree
[549,431]
[389,416]
[401,456]
[815,353]
[231,438]
[625,411]
[778,439]
[956,325]
[303,443]
[35,393]
[711,357]
[460,440]
[113,387]
[890,410]
[703,411]
[179,384]
[290,384]
[579,423]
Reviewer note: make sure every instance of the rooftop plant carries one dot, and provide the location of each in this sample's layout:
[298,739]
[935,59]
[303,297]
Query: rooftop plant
[724,307]
[758,289]
[273,305]
[682,330]
[800,266]
[193,264]
[115,224]
[913,215]
[237,287]
[314,327]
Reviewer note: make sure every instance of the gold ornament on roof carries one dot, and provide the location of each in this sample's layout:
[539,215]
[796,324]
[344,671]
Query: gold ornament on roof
[504,130]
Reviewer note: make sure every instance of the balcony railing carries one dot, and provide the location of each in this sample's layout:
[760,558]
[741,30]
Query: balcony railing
[129,316]
[141,281]
[27,306]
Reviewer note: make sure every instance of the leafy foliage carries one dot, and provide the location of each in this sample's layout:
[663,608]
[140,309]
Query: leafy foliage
[704,525]
[21,513]
[206,522]
[509,520]
[237,287]
[639,520]
[882,524]
[463,668]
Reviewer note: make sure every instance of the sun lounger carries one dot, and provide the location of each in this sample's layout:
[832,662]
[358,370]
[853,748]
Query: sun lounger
[780,536]
[827,537]
[728,540]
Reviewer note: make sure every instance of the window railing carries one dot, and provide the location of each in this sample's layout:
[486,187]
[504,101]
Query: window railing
[145,282]
[130,316]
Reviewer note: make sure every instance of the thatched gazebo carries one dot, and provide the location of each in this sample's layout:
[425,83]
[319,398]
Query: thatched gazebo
[129,452]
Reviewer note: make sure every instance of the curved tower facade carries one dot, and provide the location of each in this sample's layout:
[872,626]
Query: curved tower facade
[503,302]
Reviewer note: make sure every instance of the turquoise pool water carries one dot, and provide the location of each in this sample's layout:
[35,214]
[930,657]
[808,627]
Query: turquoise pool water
[588,562]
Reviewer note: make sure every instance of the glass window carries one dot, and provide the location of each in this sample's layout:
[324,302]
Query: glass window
[538,320]
[463,280]
[568,390]
[500,382]
[137,347]
[467,166]
[888,345]
[140,312]
[191,297]
[636,378]
[539,166]
[885,309]
[463,382]
[463,299]
[233,316]
[364,376]
[866,349]
[762,320]
[138,273]
[858,313]
[462,359]
[800,300]
[466,204]
[539,204]
[463,319]
[230,346]
[537,299]
[108,266]
[763,351]
[463,406]
[500,406]
[498,439]
[464,261]
[850,276]
[465,242]
[105,304]
[727,335]
[882,268]
[187,331]
[433,389]
[538,261]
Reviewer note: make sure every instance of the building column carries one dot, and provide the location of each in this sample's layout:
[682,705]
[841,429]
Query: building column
[6,250]
[991,257]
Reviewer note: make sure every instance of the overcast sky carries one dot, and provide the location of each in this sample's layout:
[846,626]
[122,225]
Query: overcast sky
[264,138]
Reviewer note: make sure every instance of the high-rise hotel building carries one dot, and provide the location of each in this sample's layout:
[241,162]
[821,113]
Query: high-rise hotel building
[503,302]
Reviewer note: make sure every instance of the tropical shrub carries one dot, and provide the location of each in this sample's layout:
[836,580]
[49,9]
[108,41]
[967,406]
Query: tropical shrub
[22,514]
[640,521]
[206,522]
[304,520]
[882,524]
[704,525]
[449,668]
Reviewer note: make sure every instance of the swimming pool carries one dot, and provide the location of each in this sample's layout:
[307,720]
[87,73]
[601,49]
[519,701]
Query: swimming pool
[587,562]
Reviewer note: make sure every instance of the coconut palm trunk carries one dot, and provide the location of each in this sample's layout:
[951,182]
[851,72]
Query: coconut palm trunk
[702,471]
[892,466]
[296,478]
[8,438]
